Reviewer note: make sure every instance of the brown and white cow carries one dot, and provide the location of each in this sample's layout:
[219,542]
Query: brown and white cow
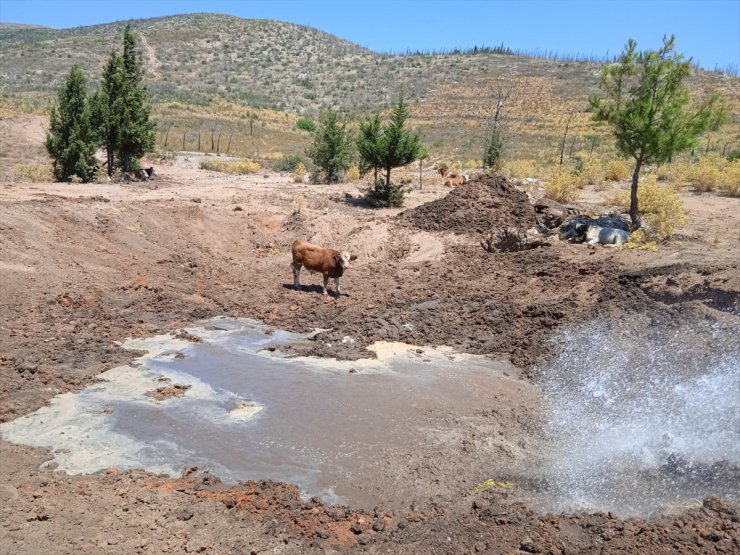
[456,180]
[329,262]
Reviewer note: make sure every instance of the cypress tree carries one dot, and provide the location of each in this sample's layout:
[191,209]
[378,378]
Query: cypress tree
[71,140]
[106,107]
[131,110]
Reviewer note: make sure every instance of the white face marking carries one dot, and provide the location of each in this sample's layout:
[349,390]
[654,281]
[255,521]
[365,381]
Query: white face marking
[344,259]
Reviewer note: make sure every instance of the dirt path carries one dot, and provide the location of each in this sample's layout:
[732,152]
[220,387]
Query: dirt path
[151,58]
[85,266]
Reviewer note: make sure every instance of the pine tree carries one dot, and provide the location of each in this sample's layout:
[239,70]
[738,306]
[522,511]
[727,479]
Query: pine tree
[368,145]
[646,103]
[389,146]
[332,149]
[71,140]
[397,146]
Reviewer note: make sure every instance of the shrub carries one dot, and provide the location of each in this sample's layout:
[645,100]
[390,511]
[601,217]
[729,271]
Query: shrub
[299,174]
[705,176]
[661,208]
[353,174]
[706,173]
[730,184]
[289,163]
[590,171]
[562,187]
[234,167]
[520,169]
[664,172]
[383,195]
[617,170]
[305,124]
[33,174]
[473,164]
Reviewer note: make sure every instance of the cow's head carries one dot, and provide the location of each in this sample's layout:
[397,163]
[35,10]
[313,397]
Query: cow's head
[344,259]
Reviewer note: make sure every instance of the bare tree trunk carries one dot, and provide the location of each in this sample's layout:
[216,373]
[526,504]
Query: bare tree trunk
[421,165]
[634,208]
[707,150]
[167,135]
[593,144]
[724,149]
[109,155]
[572,144]
[228,147]
[212,129]
[565,135]
[183,139]
[388,176]
[218,142]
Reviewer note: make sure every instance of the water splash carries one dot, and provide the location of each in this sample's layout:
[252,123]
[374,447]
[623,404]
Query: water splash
[642,423]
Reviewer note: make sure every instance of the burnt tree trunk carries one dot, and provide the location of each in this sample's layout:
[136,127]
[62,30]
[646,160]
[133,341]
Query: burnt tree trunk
[634,208]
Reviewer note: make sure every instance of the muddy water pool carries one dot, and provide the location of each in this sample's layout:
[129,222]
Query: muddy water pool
[342,431]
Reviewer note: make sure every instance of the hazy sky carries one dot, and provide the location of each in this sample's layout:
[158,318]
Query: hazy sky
[708,31]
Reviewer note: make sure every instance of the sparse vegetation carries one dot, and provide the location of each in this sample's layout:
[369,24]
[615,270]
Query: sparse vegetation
[731,180]
[290,162]
[520,169]
[617,169]
[235,167]
[661,207]
[31,173]
[299,173]
[353,174]
[563,186]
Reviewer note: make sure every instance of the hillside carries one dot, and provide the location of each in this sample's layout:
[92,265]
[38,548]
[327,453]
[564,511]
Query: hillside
[209,61]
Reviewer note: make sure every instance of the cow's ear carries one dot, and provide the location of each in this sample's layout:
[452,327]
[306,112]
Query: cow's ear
[353,257]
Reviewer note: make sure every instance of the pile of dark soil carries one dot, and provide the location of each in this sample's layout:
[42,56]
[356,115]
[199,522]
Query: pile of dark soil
[482,204]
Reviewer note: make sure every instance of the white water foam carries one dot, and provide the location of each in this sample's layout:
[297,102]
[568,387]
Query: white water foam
[641,424]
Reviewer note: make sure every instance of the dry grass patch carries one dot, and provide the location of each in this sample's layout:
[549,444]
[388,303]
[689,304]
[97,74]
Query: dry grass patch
[299,174]
[563,187]
[730,184]
[617,170]
[661,208]
[521,169]
[234,167]
[32,174]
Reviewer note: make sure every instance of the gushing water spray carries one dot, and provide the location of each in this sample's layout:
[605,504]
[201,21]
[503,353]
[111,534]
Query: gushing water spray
[643,423]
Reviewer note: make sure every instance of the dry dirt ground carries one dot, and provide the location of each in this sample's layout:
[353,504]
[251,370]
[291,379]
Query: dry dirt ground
[85,266]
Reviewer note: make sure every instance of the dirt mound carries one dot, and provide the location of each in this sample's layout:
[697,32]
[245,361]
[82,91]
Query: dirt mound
[478,206]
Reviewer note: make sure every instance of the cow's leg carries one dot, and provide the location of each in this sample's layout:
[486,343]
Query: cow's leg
[336,282]
[326,282]
[297,275]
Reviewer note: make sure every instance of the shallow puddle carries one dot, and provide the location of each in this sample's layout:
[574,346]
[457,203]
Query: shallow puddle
[233,405]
